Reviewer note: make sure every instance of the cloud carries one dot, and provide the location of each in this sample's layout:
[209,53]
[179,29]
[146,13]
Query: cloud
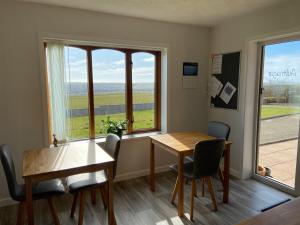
[120,62]
[150,59]
[78,63]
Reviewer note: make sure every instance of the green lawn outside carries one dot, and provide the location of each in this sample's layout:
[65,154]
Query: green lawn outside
[81,102]
[80,125]
[268,111]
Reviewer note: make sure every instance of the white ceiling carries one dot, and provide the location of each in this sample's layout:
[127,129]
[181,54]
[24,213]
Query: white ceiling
[198,12]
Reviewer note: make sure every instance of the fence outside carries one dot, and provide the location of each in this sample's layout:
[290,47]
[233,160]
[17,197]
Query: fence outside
[111,109]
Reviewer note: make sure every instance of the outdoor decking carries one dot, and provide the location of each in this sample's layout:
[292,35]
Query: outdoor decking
[281,159]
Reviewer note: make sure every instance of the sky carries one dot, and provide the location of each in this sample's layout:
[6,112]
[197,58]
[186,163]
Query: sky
[108,66]
[282,63]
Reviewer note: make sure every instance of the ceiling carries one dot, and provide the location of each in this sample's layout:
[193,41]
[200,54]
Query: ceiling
[197,12]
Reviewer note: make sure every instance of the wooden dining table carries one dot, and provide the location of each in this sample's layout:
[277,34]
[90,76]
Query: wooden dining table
[182,144]
[63,161]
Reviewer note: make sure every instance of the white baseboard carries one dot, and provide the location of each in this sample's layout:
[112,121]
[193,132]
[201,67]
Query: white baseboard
[7,201]
[140,173]
[235,173]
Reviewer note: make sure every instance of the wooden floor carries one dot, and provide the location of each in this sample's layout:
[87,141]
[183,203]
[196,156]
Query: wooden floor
[135,204]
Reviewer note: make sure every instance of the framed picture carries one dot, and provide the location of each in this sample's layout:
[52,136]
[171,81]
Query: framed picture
[190,69]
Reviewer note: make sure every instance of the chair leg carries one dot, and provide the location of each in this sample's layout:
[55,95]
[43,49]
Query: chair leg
[195,189]
[53,211]
[104,195]
[186,181]
[192,199]
[93,197]
[75,197]
[21,209]
[175,190]
[81,207]
[203,186]
[221,176]
[211,191]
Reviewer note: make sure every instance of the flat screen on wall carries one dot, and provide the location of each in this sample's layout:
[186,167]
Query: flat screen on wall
[190,69]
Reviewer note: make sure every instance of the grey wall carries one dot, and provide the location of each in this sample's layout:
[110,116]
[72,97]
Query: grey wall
[238,34]
[21,112]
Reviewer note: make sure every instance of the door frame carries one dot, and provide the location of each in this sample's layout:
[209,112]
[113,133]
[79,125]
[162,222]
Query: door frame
[258,90]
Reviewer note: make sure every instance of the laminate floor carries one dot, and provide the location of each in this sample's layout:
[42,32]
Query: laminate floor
[135,204]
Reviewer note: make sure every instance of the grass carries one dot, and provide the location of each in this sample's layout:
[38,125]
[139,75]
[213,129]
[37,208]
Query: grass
[80,125]
[268,111]
[81,102]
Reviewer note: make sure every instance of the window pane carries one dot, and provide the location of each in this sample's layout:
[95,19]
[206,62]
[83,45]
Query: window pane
[280,113]
[109,87]
[76,68]
[143,79]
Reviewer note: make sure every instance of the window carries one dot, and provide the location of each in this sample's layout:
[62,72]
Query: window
[123,84]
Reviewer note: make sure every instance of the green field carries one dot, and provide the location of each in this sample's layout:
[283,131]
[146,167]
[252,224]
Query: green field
[81,102]
[268,111]
[80,125]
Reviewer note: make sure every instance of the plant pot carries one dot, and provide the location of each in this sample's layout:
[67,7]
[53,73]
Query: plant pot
[261,170]
[120,133]
[268,171]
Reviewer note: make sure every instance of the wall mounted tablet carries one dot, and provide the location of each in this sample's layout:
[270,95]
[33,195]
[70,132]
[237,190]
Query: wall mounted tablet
[190,69]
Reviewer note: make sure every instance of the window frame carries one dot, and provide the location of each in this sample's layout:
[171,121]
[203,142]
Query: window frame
[128,89]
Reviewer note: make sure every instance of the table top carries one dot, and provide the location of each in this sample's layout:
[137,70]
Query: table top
[70,158]
[182,141]
[285,214]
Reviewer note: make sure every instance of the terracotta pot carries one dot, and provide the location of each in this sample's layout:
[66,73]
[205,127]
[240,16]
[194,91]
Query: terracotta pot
[261,170]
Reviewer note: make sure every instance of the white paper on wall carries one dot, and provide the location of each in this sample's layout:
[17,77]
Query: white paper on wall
[215,86]
[228,92]
[217,64]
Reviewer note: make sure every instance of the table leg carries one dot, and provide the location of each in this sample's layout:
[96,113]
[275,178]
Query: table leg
[111,214]
[152,167]
[180,185]
[29,204]
[226,174]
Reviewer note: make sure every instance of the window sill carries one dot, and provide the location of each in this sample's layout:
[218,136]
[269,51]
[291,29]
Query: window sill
[131,136]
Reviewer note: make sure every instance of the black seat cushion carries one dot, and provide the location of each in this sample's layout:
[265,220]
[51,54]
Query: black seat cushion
[187,169]
[42,190]
[84,181]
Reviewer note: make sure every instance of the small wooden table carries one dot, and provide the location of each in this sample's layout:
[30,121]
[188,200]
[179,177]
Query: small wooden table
[285,214]
[69,159]
[182,144]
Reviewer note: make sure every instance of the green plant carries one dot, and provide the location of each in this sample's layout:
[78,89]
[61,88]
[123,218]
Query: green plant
[114,127]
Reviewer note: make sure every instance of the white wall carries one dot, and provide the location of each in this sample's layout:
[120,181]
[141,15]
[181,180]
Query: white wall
[234,35]
[21,99]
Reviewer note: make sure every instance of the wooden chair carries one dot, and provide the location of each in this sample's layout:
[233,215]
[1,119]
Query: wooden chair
[42,190]
[79,184]
[207,156]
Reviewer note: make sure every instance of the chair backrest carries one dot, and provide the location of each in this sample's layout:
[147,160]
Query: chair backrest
[112,147]
[207,156]
[9,169]
[218,129]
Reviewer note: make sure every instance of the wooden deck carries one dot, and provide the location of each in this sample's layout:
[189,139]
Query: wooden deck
[281,158]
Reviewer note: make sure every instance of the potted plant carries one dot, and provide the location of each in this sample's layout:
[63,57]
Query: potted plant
[114,127]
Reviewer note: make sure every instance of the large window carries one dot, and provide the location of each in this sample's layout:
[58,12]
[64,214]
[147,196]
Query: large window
[122,84]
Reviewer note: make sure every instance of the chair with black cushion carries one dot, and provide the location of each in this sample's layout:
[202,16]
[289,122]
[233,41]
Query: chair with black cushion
[42,190]
[219,130]
[79,184]
[207,156]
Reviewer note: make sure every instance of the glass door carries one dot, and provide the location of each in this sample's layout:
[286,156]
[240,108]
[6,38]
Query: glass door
[279,113]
